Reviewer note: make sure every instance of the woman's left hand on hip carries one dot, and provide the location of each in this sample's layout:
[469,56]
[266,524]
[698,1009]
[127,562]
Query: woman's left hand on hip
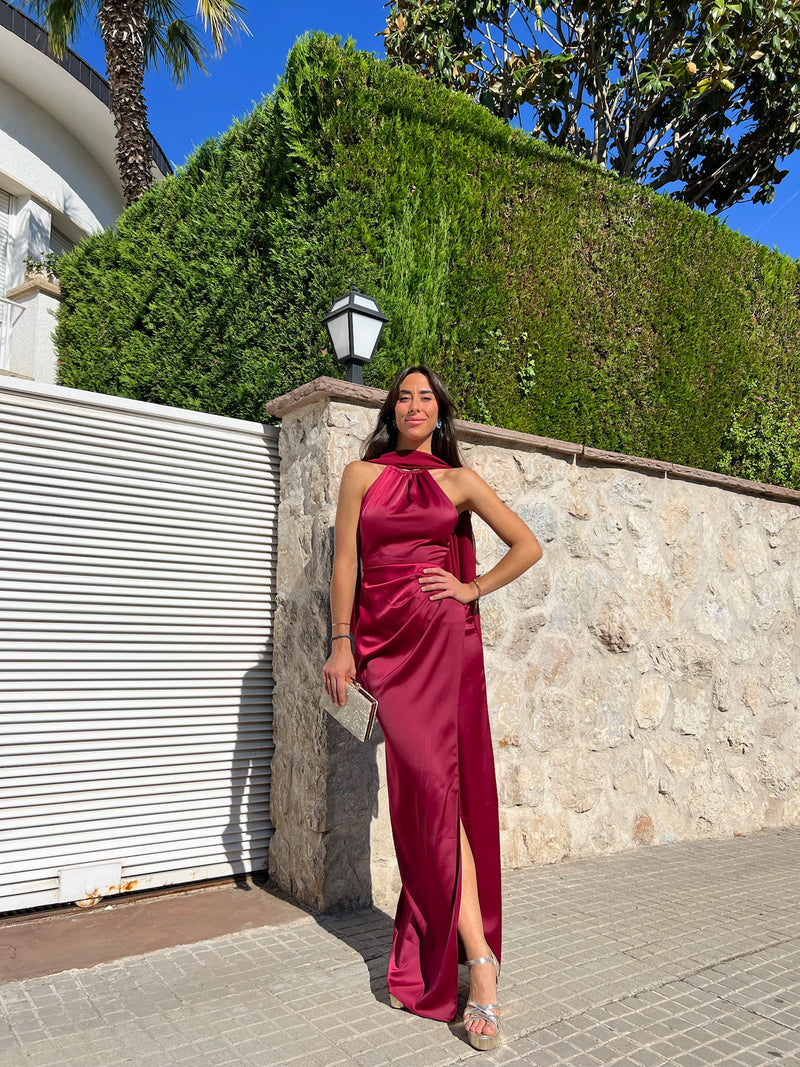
[442,584]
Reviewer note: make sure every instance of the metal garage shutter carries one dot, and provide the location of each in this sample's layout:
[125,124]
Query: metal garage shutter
[138,580]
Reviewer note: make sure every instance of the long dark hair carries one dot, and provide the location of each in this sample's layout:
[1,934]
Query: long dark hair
[384,437]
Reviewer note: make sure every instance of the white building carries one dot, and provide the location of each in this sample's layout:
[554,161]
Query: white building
[58,181]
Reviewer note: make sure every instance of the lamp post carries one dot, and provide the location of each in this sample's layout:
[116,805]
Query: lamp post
[355,323]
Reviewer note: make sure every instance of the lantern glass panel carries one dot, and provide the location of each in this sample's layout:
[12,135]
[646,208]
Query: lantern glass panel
[364,301]
[366,331]
[337,327]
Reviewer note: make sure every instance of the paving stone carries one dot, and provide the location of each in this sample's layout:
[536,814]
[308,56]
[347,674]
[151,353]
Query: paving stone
[689,1059]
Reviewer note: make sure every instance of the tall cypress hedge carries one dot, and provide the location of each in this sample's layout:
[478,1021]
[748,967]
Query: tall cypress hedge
[555,298]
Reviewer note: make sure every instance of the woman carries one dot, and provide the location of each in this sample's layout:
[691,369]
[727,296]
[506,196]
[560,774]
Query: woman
[405,593]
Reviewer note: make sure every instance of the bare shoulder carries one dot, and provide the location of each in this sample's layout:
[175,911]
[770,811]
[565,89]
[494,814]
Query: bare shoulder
[359,475]
[467,476]
[467,481]
[462,484]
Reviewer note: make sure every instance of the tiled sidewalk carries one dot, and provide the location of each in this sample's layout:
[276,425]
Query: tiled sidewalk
[681,955]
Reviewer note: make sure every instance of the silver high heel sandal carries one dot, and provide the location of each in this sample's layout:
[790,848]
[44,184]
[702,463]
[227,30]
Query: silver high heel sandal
[395,1002]
[485,1012]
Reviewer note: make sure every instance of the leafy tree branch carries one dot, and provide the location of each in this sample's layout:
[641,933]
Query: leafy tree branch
[699,99]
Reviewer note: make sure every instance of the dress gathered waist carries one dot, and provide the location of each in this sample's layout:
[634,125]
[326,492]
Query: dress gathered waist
[394,566]
[384,568]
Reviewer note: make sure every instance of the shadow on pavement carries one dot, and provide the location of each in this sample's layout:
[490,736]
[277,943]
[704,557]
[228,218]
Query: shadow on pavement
[369,933]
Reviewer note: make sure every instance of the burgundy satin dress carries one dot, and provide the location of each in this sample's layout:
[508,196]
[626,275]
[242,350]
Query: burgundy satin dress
[423,660]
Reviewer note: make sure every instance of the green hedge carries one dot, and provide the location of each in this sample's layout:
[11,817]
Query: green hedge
[554,297]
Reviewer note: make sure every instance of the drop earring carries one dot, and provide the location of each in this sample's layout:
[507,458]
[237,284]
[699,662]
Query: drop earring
[438,424]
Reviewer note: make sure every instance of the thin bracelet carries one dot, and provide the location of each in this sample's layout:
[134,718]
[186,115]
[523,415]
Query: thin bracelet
[480,591]
[340,624]
[338,637]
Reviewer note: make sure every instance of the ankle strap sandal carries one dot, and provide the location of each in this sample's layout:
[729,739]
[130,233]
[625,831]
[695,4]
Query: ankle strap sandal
[485,1012]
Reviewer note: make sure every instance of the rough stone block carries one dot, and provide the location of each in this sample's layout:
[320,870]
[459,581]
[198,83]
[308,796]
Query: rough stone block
[652,702]
[494,620]
[679,757]
[519,784]
[554,719]
[629,776]
[578,781]
[713,615]
[643,829]
[649,602]
[774,771]
[676,516]
[692,713]
[737,734]
[753,550]
[528,839]
[615,630]
[540,516]
[525,630]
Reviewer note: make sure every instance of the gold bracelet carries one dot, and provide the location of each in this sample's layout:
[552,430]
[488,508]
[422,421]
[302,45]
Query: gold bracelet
[480,591]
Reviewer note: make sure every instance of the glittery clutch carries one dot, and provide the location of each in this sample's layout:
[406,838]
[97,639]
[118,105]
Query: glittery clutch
[357,714]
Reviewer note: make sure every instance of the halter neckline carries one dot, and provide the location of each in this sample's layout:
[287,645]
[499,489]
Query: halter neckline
[411,460]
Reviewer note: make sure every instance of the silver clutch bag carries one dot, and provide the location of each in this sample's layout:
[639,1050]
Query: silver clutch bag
[357,714]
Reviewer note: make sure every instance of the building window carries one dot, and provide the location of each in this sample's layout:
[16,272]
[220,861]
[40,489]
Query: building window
[59,244]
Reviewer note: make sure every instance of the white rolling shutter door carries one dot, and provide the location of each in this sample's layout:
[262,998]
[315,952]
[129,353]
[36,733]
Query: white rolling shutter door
[138,584]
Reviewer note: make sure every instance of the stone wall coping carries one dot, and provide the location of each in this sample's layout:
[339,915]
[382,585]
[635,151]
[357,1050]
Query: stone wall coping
[15,374]
[32,285]
[326,389]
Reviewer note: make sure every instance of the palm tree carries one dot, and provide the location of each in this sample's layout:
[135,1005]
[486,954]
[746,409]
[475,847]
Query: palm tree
[137,34]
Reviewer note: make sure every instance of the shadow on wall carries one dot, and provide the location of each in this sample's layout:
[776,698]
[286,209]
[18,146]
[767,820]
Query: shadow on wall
[351,804]
[351,799]
[246,836]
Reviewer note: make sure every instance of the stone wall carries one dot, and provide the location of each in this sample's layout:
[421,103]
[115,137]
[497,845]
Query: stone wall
[643,677]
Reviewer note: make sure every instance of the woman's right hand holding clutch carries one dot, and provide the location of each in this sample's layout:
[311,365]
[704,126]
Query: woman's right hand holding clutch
[339,666]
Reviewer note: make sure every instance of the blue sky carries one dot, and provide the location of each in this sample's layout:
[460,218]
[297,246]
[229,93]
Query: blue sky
[183,118]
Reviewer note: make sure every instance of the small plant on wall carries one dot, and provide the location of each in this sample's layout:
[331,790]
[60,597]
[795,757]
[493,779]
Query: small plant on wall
[45,267]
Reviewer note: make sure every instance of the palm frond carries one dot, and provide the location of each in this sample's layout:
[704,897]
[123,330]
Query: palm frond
[221,18]
[61,19]
[175,46]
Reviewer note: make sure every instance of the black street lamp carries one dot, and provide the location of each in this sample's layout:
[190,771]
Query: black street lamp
[355,323]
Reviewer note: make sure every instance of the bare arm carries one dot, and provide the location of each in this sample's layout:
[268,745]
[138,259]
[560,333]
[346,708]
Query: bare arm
[523,548]
[340,664]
